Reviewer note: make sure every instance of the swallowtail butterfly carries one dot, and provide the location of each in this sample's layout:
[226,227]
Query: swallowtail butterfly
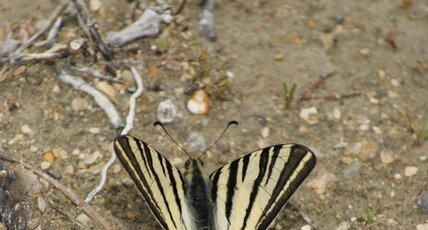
[247,193]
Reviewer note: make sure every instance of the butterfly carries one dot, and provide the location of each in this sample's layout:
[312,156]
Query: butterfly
[247,193]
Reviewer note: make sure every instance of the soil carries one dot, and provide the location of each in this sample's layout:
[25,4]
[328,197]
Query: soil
[374,48]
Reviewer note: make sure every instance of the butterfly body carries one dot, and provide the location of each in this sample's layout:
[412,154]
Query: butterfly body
[247,193]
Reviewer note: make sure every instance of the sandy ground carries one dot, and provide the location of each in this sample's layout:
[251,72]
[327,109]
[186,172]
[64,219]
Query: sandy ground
[372,160]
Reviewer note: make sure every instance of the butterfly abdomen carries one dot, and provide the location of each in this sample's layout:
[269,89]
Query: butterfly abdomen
[198,199]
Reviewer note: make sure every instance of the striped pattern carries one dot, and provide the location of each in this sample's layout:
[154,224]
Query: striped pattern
[160,183]
[251,191]
[248,193]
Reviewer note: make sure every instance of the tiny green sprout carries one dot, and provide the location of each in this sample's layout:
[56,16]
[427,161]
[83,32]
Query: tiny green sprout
[372,213]
[423,134]
[289,94]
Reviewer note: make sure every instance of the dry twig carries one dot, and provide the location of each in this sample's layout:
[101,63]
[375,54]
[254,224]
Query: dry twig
[90,26]
[58,10]
[93,73]
[68,192]
[53,32]
[59,51]
[307,93]
[179,8]
[331,97]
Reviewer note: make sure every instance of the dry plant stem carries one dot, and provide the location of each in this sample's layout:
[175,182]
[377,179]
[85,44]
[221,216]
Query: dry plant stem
[93,73]
[68,192]
[179,8]
[128,127]
[304,216]
[58,10]
[60,51]
[330,97]
[90,26]
[314,86]
[100,99]
[53,32]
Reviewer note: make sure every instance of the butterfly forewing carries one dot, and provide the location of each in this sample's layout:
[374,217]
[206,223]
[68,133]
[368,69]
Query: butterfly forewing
[160,183]
[249,192]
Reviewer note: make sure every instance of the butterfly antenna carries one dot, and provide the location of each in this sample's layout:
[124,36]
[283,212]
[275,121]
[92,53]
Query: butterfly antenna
[161,125]
[233,122]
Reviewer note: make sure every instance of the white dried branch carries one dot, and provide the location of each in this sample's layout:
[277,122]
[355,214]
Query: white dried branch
[100,99]
[128,127]
[145,26]
[53,32]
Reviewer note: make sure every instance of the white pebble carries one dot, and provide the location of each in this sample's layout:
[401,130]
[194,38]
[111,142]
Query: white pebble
[41,203]
[422,227]
[310,115]
[25,129]
[95,130]
[166,112]
[79,104]
[83,218]
[199,103]
[92,158]
[265,132]
[45,165]
[410,171]
[306,227]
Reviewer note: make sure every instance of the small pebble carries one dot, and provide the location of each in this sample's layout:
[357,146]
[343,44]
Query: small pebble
[117,168]
[303,130]
[79,104]
[94,5]
[196,142]
[377,130]
[310,115]
[83,218]
[410,171]
[69,170]
[397,176]
[352,171]
[365,52]
[406,3]
[341,145]
[386,157]
[423,202]
[345,225]
[199,103]
[56,89]
[306,227]
[48,157]
[323,181]
[92,158]
[95,130]
[41,203]
[422,227]
[166,112]
[339,18]
[336,113]
[25,129]
[279,56]
[45,165]
[77,44]
[265,132]
[107,89]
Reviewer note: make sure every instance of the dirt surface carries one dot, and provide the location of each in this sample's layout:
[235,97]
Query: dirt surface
[368,146]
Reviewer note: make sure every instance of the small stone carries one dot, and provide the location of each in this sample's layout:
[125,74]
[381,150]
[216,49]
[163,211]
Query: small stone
[397,176]
[395,82]
[94,5]
[92,158]
[310,115]
[48,157]
[56,89]
[345,225]
[279,56]
[166,112]
[365,52]
[422,227]
[353,219]
[79,104]
[69,170]
[336,113]
[406,3]
[386,157]
[381,74]
[25,129]
[117,168]
[107,89]
[410,171]
[377,130]
[322,182]
[199,103]
[364,150]
[306,227]
[393,94]
[341,145]
[352,171]
[265,132]
[56,152]
[95,130]
[77,44]
[196,142]
[230,74]
[41,203]
[303,130]
[45,165]
[83,218]
[423,203]
[33,148]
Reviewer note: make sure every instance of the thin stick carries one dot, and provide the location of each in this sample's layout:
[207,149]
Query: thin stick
[100,99]
[58,10]
[93,73]
[179,8]
[128,127]
[331,97]
[314,86]
[68,192]
[59,51]
[53,32]
[90,26]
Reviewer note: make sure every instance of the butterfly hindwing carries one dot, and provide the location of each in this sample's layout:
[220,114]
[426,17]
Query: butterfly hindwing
[249,192]
[161,184]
